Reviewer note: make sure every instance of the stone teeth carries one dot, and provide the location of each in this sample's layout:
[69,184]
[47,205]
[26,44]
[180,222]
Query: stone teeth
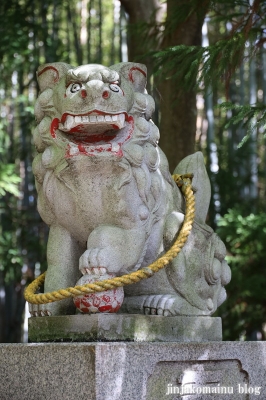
[90,148]
[103,147]
[100,118]
[69,122]
[73,150]
[121,118]
[121,121]
[115,147]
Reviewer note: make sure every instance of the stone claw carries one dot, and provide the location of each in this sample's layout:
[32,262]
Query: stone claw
[99,271]
[94,271]
[34,314]
[39,310]
[92,260]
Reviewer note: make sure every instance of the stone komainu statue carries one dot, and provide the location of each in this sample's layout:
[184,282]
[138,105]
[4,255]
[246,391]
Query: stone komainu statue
[105,190]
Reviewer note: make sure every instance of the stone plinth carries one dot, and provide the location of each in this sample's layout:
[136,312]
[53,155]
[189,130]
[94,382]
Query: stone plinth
[125,327]
[131,371]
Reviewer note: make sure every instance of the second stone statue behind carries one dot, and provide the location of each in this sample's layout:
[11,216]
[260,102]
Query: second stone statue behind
[105,190]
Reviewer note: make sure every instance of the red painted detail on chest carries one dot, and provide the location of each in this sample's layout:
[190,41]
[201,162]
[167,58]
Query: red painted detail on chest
[53,127]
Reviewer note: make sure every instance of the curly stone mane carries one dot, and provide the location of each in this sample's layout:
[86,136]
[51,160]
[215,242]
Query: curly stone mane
[142,157]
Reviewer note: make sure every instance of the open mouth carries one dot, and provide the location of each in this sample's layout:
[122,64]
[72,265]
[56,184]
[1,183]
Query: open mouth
[92,123]
[95,132]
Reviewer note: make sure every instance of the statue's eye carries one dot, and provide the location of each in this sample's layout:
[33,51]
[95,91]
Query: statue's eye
[114,87]
[75,87]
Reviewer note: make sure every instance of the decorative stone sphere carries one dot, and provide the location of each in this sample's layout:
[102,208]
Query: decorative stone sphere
[100,302]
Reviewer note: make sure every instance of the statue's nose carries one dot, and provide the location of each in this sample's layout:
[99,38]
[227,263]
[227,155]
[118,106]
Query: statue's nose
[95,89]
[83,93]
[106,94]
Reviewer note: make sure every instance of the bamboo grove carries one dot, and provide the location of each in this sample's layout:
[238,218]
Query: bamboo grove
[215,76]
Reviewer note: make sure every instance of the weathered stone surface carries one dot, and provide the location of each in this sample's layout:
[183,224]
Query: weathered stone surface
[125,327]
[131,371]
[105,190]
[41,372]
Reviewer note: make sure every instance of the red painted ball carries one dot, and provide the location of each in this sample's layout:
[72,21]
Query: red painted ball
[101,302]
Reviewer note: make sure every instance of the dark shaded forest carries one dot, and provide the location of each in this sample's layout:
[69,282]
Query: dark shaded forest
[207,73]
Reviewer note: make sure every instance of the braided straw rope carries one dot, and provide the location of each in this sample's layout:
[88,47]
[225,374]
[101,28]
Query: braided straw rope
[183,181]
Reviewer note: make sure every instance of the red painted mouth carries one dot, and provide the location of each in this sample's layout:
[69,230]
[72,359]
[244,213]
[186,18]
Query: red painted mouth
[94,132]
[92,123]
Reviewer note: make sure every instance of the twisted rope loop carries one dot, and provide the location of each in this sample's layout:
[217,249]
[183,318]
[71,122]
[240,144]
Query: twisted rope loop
[183,181]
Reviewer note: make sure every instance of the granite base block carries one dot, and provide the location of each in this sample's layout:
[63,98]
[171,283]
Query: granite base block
[132,371]
[125,327]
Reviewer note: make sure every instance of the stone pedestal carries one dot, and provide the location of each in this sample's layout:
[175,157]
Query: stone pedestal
[125,327]
[133,371]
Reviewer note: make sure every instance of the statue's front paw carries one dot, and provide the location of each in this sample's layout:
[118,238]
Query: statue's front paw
[169,305]
[94,261]
[102,259]
[62,307]
[163,304]
[159,305]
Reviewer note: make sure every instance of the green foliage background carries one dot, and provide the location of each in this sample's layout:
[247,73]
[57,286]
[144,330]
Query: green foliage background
[245,238]
[231,85]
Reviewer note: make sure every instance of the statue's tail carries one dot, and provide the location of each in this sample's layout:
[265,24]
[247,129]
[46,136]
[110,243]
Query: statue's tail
[200,183]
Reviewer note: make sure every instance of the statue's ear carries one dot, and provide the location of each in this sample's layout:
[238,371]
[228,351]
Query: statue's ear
[49,74]
[134,72]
